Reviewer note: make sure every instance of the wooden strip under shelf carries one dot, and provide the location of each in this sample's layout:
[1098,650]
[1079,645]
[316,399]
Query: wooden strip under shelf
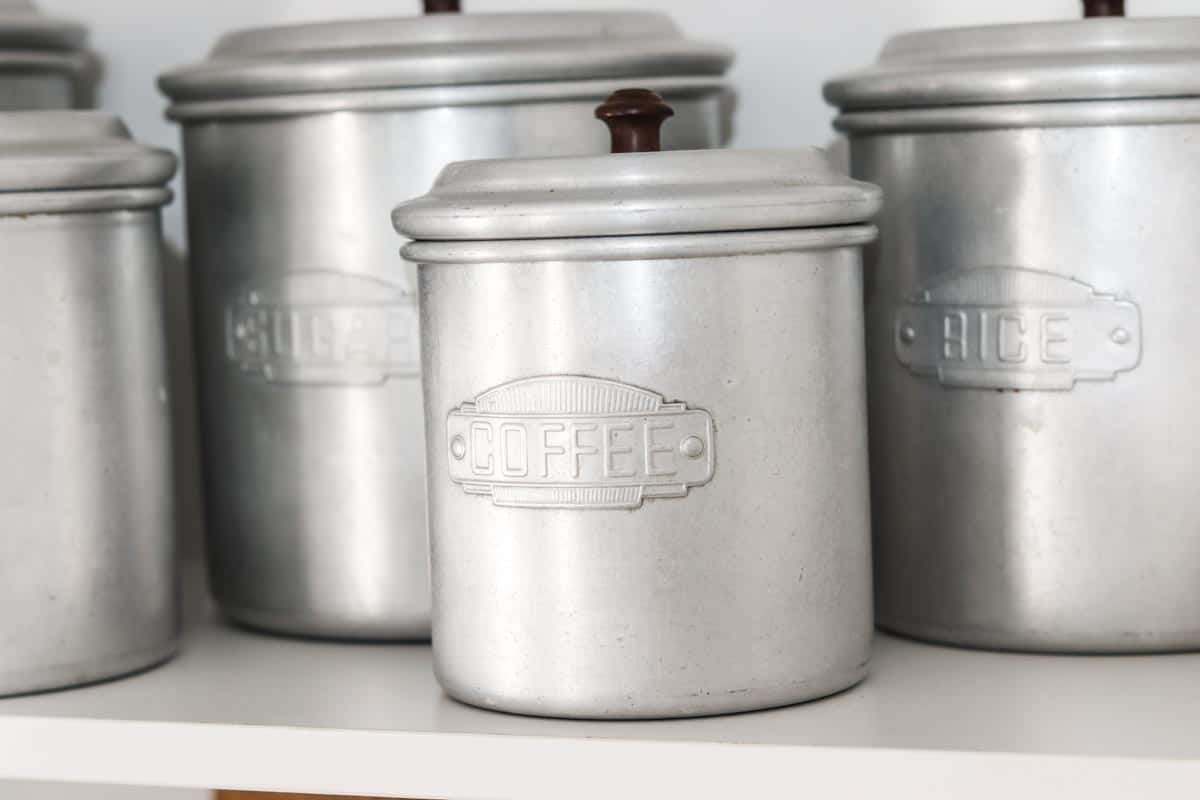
[236,795]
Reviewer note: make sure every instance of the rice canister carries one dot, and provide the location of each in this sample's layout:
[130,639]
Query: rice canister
[44,63]
[645,401]
[1030,317]
[298,140]
[87,556]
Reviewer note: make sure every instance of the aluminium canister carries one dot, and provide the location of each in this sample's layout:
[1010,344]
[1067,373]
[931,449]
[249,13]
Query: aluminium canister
[645,400]
[297,142]
[1031,311]
[44,63]
[87,555]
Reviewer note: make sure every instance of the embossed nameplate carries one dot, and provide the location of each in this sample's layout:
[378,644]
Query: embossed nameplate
[1017,329]
[324,328]
[565,441]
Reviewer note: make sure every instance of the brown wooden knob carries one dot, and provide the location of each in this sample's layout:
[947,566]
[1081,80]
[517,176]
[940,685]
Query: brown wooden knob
[1104,8]
[635,118]
[443,6]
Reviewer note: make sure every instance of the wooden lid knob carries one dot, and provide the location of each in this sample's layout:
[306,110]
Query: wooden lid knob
[635,118]
[443,6]
[1104,8]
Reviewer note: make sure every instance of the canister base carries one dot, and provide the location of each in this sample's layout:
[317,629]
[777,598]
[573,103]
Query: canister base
[74,676]
[1046,642]
[311,626]
[624,707]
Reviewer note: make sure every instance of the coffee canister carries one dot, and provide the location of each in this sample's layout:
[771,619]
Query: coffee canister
[645,401]
[1029,315]
[298,141]
[87,572]
[44,63]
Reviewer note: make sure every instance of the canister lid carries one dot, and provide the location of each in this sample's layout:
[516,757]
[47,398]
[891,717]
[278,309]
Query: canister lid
[64,161]
[1101,58]
[701,191]
[31,42]
[23,26]
[444,50]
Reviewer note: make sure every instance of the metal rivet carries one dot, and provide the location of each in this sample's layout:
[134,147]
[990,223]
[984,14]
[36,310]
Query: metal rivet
[1120,336]
[908,334]
[692,447]
[458,448]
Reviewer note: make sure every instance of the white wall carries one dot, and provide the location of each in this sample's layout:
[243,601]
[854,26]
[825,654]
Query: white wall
[786,47]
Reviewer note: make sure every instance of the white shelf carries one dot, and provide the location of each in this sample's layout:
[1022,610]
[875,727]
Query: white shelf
[240,710]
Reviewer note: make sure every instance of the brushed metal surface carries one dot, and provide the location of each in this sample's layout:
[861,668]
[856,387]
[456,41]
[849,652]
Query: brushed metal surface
[1024,512]
[87,568]
[745,589]
[316,489]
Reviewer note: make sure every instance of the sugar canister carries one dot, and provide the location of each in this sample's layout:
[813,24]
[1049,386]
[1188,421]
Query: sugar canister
[645,403]
[298,141]
[1030,314]
[87,572]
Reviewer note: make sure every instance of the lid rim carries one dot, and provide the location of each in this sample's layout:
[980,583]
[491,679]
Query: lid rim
[999,116]
[649,221]
[993,87]
[150,169]
[79,63]
[275,80]
[641,247]
[83,201]
[416,98]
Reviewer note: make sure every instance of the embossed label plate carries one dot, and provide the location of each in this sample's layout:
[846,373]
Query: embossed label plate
[1017,329]
[327,328]
[565,441]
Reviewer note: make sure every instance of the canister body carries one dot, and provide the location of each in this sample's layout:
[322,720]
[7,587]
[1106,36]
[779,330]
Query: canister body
[1030,314]
[647,481]
[309,360]
[87,571]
